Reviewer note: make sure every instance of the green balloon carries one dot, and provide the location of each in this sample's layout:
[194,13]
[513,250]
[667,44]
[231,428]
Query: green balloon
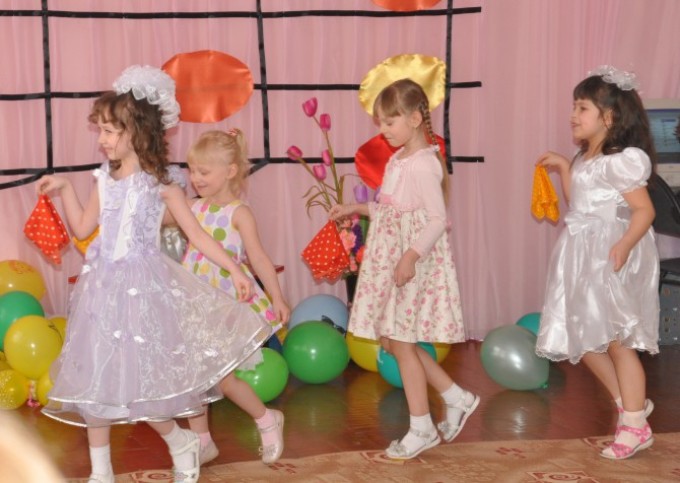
[14,305]
[269,378]
[315,352]
[531,322]
[509,358]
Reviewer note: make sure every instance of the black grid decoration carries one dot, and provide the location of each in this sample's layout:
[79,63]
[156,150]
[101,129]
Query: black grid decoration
[31,174]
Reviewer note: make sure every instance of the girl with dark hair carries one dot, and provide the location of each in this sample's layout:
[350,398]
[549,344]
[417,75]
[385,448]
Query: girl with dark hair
[601,302]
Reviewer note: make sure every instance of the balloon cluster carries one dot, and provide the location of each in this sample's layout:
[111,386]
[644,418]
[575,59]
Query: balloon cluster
[313,348]
[509,355]
[29,342]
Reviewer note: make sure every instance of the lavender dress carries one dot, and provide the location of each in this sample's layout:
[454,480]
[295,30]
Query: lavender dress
[146,339]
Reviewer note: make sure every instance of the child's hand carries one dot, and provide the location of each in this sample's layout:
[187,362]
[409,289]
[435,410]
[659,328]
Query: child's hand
[406,268]
[282,311]
[619,255]
[554,160]
[339,211]
[49,183]
[244,286]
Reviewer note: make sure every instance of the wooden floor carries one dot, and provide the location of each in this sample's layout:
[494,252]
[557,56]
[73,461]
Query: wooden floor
[359,410]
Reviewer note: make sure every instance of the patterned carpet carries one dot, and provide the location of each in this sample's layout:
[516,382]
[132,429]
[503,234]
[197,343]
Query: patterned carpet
[575,460]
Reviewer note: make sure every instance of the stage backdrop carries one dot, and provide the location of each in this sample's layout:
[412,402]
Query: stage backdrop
[511,69]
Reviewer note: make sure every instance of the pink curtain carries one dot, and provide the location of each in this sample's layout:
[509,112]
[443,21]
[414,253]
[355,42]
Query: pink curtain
[528,54]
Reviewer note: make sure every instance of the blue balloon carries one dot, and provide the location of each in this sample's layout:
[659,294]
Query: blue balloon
[326,308]
[531,322]
[389,369]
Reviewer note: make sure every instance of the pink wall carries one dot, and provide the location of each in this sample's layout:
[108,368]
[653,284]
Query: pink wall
[528,54]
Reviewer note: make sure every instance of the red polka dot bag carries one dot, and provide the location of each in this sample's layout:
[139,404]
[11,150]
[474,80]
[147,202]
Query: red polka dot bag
[45,228]
[326,255]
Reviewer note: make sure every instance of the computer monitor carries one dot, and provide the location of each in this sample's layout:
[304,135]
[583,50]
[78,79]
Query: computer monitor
[664,116]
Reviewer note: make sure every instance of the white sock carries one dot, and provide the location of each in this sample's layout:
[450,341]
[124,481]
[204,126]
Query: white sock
[456,399]
[176,439]
[100,458]
[634,419]
[421,424]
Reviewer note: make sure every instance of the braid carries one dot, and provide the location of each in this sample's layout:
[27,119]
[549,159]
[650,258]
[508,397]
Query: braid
[427,120]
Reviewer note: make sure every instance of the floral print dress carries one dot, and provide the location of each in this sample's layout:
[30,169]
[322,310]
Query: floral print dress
[427,308]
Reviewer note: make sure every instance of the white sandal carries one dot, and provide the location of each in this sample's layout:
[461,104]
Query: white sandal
[97,478]
[448,430]
[398,451]
[189,475]
[272,452]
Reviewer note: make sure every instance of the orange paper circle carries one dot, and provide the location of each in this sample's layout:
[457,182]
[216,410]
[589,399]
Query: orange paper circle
[210,85]
[428,71]
[406,5]
[372,157]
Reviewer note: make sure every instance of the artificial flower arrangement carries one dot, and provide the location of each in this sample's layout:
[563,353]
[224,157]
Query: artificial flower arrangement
[326,193]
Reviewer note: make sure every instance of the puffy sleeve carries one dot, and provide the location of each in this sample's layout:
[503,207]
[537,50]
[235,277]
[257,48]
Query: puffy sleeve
[628,170]
[427,179]
[176,176]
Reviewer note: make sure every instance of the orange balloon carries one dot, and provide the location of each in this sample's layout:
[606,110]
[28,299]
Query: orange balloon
[16,275]
[210,85]
[406,5]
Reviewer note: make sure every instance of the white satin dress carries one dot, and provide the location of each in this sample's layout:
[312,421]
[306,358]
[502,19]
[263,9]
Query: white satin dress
[587,304]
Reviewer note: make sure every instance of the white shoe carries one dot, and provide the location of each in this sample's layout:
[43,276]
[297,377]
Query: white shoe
[193,447]
[448,428]
[272,452]
[208,453]
[397,451]
[97,478]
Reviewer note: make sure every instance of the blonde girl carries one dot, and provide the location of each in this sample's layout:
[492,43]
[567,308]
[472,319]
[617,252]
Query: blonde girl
[218,167]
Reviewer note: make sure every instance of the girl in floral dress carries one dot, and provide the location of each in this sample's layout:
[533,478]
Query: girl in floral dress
[218,166]
[407,290]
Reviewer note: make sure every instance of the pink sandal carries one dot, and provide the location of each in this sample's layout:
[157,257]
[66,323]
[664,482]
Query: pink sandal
[648,408]
[622,451]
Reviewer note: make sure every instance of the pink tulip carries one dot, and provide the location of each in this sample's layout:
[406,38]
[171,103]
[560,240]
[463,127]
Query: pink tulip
[326,157]
[309,106]
[325,122]
[361,193]
[319,171]
[294,153]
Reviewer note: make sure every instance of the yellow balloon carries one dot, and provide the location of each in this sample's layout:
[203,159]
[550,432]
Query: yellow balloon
[43,387]
[364,352]
[13,389]
[59,324]
[442,351]
[20,276]
[4,365]
[2,356]
[31,345]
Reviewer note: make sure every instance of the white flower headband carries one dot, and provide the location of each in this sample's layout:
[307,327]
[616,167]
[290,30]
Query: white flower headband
[154,85]
[626,81]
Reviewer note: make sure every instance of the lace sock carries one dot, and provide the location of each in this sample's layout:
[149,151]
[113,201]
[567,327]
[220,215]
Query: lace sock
[267,421]
[100,458]
[421,424]
[455,395]
[205,438]
[634,420]
[176,439]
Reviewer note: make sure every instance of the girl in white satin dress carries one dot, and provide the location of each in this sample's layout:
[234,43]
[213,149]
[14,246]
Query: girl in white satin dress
[601,302]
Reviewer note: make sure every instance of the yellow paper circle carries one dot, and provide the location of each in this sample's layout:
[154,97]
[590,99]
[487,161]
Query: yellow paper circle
[428,71]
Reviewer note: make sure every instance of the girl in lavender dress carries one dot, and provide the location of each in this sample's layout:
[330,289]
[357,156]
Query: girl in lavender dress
[601,300]
[146,340]
[407,289]
[218,166]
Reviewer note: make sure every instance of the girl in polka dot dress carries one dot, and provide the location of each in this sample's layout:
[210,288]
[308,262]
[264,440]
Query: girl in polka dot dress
[218,166]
